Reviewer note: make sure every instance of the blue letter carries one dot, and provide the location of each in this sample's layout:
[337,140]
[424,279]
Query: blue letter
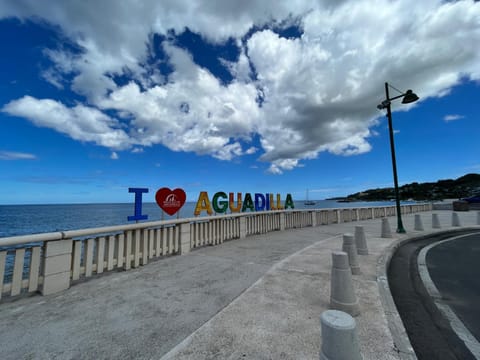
[259,202]
[138,204]
[267,201]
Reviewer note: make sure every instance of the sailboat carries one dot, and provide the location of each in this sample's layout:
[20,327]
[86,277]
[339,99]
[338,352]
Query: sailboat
[308,202]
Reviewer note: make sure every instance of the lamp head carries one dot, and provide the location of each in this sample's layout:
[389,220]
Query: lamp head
[409,97]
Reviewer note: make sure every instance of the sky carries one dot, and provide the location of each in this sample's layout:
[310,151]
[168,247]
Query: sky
[235,96]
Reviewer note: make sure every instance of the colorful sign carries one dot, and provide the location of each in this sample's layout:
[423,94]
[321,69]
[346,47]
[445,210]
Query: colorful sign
[220,204]
[170,201]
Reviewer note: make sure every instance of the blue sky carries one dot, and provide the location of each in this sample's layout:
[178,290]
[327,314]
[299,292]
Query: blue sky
[232,96]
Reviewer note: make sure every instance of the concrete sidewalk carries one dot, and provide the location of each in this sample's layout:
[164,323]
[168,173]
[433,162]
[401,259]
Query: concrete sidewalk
[256,298]
[278,316]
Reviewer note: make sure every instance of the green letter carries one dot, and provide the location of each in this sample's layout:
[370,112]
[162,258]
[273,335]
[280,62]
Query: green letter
[220,206]
[248,203]
[289,202]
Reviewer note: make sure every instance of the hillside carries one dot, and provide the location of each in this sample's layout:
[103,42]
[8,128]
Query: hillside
[465,186]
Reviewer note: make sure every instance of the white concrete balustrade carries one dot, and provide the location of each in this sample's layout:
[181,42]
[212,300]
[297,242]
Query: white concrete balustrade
[51,262]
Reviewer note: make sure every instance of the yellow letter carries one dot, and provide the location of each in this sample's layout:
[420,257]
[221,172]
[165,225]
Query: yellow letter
[203,204]
[272,203]
[279,203]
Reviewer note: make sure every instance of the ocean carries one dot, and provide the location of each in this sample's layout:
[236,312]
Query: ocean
[32,219]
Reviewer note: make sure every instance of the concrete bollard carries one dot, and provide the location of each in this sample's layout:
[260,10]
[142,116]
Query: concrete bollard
[435,222]
[360,241]
[339,336]
[350,248]
[342,294]
[455,219]
[386,232]
[418,223]
[478,217]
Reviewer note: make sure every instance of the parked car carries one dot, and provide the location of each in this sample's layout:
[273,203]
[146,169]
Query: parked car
[473,199]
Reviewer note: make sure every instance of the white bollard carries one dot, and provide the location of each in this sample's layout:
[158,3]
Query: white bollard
[478,217]
[386,232]
[455,219]
[339,336]
[435,222]
[360,241]
[418,223]
[342,294]
[350,248]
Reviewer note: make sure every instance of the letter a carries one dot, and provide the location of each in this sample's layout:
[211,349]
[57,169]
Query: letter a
[203,204]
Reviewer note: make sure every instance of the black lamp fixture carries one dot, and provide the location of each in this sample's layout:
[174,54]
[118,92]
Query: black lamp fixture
[408,97]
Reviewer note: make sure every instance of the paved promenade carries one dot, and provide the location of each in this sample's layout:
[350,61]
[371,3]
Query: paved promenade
[255,298]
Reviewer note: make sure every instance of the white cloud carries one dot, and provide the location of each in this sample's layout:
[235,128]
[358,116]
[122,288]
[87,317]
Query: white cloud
[13,155]
[228,152]
[53,78]
[114,156]
[274,169]
[320,90]
[79,122]
[448,118]
[216,113]
[278,166]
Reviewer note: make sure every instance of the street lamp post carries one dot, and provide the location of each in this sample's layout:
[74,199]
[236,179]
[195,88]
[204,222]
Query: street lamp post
[407,98]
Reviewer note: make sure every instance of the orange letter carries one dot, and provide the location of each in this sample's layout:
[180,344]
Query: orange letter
[234,208]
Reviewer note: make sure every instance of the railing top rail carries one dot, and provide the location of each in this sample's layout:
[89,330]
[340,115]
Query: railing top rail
[59,235]
[23,239]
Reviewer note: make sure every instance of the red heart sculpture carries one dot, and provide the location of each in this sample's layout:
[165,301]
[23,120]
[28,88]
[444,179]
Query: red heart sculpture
[170,200]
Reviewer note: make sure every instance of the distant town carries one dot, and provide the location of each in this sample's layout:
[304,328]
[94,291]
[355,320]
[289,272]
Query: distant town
[463,187]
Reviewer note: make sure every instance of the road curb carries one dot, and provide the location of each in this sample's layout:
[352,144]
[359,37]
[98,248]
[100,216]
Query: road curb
[395,324]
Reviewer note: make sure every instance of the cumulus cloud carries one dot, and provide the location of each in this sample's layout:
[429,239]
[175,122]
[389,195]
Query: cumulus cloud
[79,122]
[300,95]
[453,117]
[278,166]
[13,155]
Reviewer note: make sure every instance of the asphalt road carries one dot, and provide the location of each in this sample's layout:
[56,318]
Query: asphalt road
[455,270]
[429,332]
